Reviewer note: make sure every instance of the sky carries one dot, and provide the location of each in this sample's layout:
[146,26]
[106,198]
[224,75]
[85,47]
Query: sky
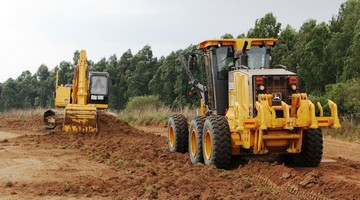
[47,32]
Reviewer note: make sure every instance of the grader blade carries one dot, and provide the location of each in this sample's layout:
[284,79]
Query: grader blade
[80,119]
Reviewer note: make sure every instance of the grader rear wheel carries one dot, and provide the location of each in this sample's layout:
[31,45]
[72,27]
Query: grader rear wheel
[178,133]
[195,139]
[216,142]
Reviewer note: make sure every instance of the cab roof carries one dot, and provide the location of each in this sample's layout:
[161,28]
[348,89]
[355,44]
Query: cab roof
[238,43]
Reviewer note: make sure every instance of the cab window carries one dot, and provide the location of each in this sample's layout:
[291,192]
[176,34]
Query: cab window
[256,57]
[98,85]
[224,62]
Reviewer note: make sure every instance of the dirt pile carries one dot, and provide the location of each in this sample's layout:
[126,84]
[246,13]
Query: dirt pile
[143,168]
[18,123]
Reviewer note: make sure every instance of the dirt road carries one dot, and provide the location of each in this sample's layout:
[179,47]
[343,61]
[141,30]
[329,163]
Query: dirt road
[122,162]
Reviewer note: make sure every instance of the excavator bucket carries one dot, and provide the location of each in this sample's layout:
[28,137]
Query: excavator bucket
[80,119]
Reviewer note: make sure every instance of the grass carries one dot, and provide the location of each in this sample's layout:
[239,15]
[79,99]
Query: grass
[139,163]
[24,114]
[349,131]
[119,163]
[9,184]
[152,116]
[149,110]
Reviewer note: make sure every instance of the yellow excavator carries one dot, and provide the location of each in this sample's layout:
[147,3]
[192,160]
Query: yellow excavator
[88,93]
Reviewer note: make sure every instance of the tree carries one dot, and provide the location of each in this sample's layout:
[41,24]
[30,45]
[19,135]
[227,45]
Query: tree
[11,97]
[144,69]
[352,69]
[27,88]
[66,72]
[282,52]
[349,34]
[309,56]
[121,81]
[42,73]
[242,35]
[266,27]
[227,36]
[76,57]
[99,66]
[170,81]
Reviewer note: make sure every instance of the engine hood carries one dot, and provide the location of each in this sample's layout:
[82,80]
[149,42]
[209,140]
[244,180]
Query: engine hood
[264,72]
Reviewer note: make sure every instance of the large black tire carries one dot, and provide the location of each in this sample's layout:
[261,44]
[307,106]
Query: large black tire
[178,133]
[216,141]
[311,149]
[195,139]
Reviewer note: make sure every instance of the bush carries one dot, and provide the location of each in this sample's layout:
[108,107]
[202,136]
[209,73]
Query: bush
[149,110]
[347,96]
[143,103]
[9,184]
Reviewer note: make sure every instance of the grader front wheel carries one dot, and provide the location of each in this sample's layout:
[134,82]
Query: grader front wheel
[195,139]
[216,142]
[311,149]
[178,133]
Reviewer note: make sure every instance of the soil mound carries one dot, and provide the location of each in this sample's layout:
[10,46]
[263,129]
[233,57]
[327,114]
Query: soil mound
[24,124]
[145,169]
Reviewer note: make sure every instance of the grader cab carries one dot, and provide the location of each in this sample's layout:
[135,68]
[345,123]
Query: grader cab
[248,106]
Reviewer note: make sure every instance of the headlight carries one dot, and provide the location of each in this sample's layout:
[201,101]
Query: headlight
[93,97]
[100,97]
[261,87]
[293,87]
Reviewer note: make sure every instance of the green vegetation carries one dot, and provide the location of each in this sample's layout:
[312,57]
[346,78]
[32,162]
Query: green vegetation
[326,56]
[27,113]
[349,131]
[119,163]
[143,103]
[149,110]
[9,184]
[139,163]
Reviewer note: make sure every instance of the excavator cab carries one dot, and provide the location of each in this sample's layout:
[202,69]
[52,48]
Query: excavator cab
[99,90]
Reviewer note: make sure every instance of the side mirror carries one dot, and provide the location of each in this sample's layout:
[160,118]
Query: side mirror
[244,60]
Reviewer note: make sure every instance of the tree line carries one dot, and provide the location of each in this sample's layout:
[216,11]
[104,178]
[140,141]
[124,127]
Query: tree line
[326,56]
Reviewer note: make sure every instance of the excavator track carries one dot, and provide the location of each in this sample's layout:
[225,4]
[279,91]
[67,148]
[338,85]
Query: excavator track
[53,119]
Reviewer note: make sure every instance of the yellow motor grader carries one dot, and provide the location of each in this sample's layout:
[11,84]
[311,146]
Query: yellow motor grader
[248,106]
[88,93]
